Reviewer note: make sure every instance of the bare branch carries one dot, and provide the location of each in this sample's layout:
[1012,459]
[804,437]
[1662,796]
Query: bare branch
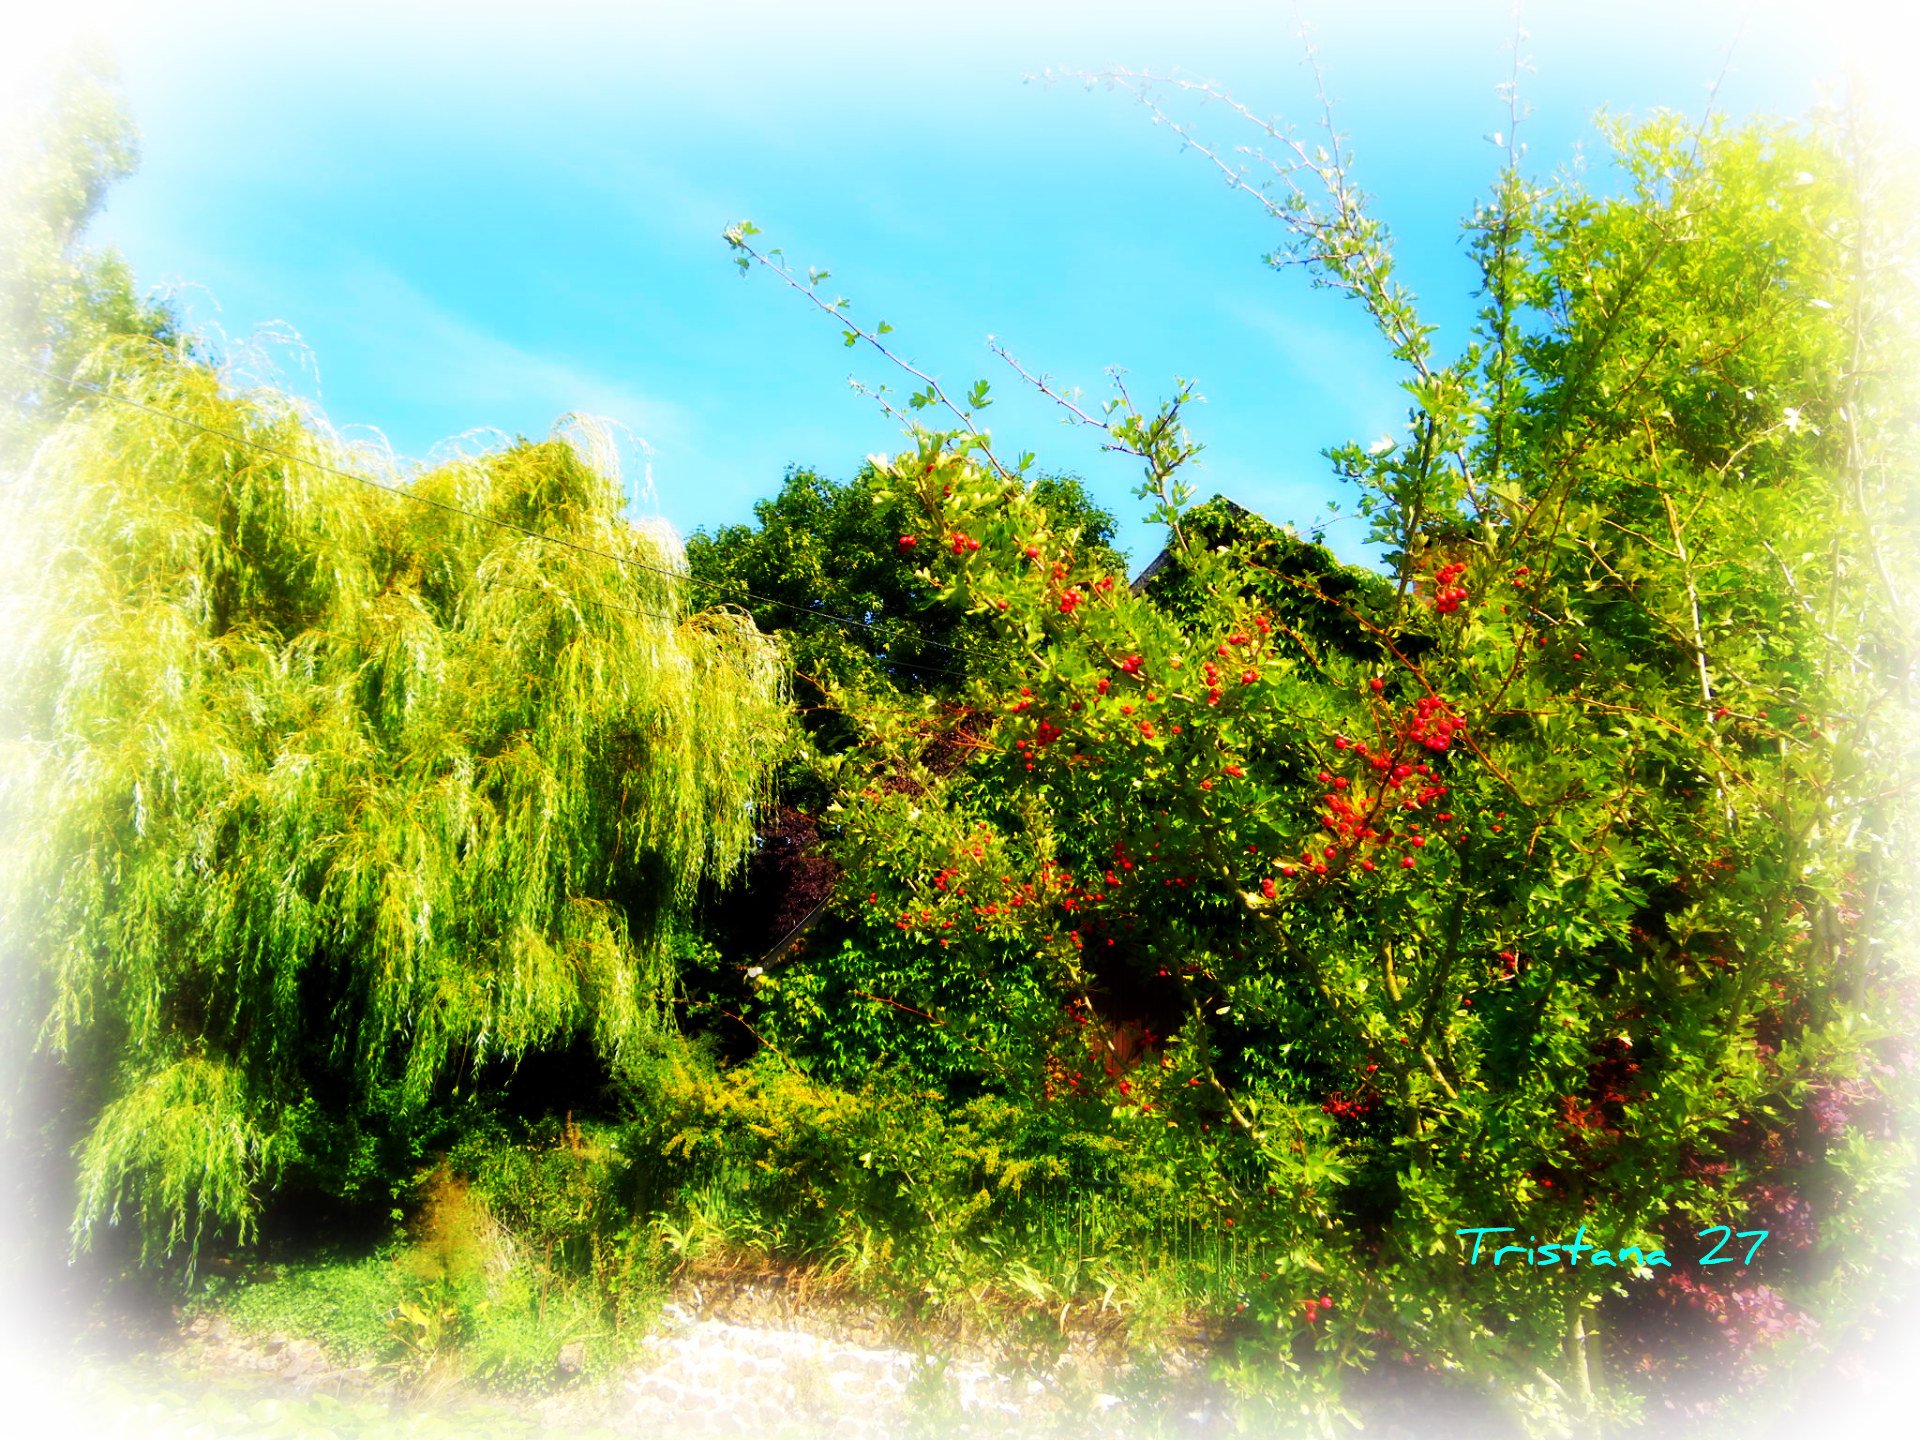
[736,236]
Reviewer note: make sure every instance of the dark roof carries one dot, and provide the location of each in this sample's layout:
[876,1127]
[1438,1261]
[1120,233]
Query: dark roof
[1218,502]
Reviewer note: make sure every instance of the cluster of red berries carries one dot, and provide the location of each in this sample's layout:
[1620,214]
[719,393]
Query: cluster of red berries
[1051,883]
[1347,1107]
[1315,1308]
[1395,783]
[1071,597]
[908,920]
[1448,597]
[1210,672]
[963,543]
[1433,724]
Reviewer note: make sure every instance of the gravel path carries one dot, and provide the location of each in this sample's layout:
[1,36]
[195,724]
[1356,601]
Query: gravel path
[715,1377]
[728,1358]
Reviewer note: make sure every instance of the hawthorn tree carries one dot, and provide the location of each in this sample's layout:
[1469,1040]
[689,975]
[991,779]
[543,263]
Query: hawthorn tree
[1565,899]
[820,568]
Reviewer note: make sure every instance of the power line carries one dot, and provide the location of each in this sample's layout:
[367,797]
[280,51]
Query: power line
[583,600]
[405,494]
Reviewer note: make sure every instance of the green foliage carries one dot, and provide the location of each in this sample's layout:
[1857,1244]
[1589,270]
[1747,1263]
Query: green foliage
[821,555]
[1295,583]
[563,1191]
[916,1199]
[820,566]
[339,1302]
[1548,883]
[179,1144]
[469,1292]
[1226,943]
[879,1001]
[315,789]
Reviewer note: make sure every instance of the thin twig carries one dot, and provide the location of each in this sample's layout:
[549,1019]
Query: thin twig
[736,237]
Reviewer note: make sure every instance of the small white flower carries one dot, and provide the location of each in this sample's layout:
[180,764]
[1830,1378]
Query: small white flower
[1792,417]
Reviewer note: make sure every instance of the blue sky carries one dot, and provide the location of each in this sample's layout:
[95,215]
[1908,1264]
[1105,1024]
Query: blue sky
[482,217]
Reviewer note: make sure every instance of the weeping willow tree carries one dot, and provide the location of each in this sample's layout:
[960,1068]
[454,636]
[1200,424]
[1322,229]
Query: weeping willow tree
[320,796]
